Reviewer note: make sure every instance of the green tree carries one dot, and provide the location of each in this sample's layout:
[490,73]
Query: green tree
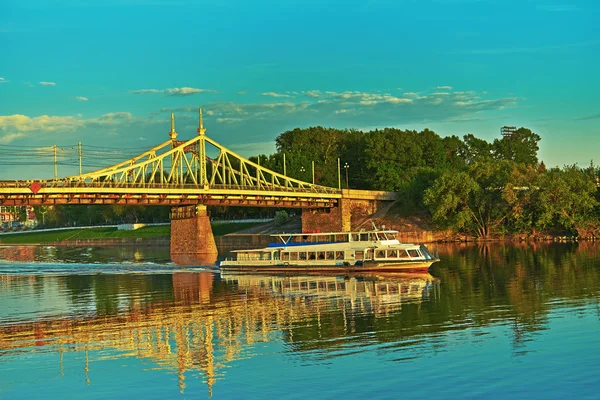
[475,149]
[521,147]
[471,201]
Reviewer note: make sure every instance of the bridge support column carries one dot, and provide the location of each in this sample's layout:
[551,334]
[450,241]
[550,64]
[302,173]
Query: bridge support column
[192,240]
[336,219]
[340,218]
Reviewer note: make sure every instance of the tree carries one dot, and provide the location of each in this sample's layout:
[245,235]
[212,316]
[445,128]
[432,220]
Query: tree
[475,149]
[521,147]
[472,200]
[391,154]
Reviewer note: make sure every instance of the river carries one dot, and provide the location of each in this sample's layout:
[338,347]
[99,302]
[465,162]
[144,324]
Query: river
[489,321]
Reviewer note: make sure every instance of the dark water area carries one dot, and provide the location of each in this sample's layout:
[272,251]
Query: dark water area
[488,321]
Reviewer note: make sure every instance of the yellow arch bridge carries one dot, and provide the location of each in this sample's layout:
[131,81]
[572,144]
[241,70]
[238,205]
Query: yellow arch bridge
[179,173]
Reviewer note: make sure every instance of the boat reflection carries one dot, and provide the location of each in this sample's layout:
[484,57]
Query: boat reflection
[380,289]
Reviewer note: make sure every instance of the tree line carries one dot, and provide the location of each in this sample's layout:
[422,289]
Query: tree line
[464,185]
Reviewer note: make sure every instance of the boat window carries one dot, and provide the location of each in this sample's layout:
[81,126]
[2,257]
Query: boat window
[266,256]
[321,255]
[312,255]
[339,255]
[330,255]
[413,253]
[359,255]
[302,255]
[276,255]
[293,256]
[380,254]
[392,254]
[285,256]
[369,254]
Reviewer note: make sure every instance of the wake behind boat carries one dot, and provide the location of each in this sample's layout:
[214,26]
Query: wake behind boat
[377,250]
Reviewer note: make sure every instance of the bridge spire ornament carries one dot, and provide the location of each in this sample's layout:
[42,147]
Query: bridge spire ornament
[172,133]
[201,130]
[202,177]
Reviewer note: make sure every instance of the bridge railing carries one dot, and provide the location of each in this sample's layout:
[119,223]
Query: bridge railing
[108,185]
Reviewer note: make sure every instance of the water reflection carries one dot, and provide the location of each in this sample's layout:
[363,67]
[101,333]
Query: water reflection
[199,324]
[189,322]
[74,255]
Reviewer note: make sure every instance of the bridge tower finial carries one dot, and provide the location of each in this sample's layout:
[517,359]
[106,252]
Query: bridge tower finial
[201,129]
[172,133]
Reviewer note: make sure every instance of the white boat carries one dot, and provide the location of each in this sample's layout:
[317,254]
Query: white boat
[377,250]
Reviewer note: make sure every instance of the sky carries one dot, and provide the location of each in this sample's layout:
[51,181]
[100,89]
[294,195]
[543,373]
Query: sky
[108,73]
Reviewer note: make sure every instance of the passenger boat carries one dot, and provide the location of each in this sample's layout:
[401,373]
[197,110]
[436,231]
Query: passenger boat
[377,250]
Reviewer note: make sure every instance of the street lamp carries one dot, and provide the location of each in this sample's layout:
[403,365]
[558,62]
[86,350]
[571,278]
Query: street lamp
[302,170]
[346,166]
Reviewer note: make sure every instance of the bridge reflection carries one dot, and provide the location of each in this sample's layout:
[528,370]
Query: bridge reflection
[18,253]
[202,323]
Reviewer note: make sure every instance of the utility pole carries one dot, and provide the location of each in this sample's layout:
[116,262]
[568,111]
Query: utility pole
[284,169]
[339,175]
[346,167]
[80,154]
[55,166]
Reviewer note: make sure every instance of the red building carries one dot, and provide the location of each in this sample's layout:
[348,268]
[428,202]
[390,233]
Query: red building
[10,214]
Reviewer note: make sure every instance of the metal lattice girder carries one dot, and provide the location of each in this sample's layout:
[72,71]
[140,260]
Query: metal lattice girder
[177,173]
[178,163]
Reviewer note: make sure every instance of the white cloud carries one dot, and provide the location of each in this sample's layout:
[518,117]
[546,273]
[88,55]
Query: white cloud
[47,83]
[146,91]
[2,80]
[81,98]
[5,139]
[23,123]
[183,91]
[312,93]
[273,94]
[444,87]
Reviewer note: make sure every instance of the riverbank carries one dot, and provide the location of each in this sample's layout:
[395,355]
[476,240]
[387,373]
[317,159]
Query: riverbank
[112,236]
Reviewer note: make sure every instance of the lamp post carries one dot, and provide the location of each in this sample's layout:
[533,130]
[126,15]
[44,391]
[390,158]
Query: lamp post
[302,170]
[346,166]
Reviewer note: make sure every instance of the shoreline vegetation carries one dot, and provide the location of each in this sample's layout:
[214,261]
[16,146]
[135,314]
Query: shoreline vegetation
[458,188]
[110,233]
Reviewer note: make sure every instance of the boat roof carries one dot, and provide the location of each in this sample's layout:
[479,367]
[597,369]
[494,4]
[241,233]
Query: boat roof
[332,233]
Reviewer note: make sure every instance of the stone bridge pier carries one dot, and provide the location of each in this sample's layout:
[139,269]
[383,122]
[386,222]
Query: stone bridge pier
[192,240]
[340,218]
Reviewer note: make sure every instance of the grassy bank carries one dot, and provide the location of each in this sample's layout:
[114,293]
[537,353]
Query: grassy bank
[111,233]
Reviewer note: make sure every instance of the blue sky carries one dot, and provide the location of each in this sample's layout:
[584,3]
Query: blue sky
[108,73]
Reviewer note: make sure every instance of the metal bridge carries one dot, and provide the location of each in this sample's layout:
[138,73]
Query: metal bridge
[179,172]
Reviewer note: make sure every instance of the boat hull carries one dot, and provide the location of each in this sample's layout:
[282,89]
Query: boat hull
[369,266]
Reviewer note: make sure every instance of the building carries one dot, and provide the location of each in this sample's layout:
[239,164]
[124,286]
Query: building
[9,216]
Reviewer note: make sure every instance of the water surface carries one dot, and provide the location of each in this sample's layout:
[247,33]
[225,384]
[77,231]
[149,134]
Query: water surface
[491,321]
